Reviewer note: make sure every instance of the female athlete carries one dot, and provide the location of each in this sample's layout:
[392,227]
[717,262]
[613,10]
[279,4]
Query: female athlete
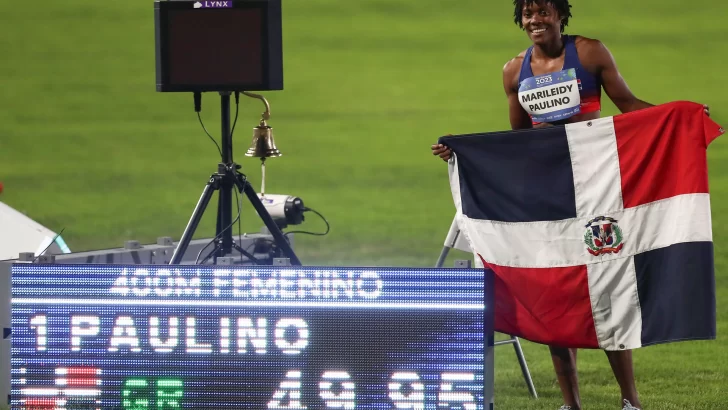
[533,101]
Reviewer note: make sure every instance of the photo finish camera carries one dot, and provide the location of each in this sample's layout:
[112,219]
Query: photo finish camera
[218,45]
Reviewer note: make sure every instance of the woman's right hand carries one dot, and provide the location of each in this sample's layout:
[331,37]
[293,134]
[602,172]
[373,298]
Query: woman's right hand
[444,152]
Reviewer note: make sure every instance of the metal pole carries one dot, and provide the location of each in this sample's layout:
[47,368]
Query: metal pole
[226,187]
[524,367]
[442,257]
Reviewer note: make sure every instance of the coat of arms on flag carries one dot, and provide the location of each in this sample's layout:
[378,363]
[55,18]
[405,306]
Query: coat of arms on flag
[603,235]
[599,233]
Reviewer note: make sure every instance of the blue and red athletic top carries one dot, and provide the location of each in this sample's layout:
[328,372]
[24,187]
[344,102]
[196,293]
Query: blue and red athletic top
[552,97]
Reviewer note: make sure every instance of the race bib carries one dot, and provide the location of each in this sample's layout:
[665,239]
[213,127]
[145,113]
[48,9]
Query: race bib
[551,97]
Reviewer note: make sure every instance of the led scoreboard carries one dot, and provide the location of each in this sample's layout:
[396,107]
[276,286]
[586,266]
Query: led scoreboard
[188,337]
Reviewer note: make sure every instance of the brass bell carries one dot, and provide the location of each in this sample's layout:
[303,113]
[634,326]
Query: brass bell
[263,145]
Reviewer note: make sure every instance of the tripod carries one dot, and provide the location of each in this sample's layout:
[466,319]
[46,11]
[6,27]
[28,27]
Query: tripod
[227,177]
[455,240]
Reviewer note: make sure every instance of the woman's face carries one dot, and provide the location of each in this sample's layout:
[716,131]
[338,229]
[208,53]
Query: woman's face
[542,22]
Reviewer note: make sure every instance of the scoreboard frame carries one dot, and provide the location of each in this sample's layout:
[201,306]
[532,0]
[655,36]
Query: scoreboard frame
[58,274]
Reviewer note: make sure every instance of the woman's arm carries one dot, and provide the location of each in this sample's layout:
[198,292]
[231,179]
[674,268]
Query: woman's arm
[600,61]
[518,116]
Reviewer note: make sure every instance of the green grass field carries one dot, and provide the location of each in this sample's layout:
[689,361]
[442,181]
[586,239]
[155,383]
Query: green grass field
[86,143]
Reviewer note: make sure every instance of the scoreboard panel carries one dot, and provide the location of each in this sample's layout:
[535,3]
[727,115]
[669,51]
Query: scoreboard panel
[161,337]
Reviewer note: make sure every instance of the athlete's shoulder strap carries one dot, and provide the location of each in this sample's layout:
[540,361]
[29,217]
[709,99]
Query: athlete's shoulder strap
[572,56]
[526,66]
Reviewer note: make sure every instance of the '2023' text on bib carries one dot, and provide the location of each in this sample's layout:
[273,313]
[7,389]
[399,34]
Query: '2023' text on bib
[551,97]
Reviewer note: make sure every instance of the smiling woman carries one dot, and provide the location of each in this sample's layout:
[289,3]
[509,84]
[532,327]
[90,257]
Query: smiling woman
[575,65]
[559,80]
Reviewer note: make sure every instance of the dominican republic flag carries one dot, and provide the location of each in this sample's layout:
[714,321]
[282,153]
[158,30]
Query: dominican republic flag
[599,232]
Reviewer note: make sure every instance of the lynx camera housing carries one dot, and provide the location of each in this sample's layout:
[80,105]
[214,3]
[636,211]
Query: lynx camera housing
[220,45]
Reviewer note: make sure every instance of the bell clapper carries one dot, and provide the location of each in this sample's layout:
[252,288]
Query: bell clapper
[262,174]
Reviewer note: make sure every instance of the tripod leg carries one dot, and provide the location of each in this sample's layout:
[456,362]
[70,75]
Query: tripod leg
[524,367]
[442,257]
[280,240]
[194,221]
[247,254]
